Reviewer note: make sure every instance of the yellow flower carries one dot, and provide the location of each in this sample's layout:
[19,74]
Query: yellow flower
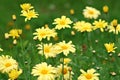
[44,71]
[101,24]
[26,6]
[62,22]
[15,33]
[105,9]
[29,14]
[89,75]
[114,27]
[66,48]
[66,60]
[48,50]
[110,47]
[42,33]
[66,72]
[7,63]
[14,74]
[90,12]
[82,26]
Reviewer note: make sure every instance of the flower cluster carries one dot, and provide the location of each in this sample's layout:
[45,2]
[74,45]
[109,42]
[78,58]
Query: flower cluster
[28,11]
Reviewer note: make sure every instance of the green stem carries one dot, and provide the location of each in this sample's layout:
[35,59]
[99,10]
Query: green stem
[62,66]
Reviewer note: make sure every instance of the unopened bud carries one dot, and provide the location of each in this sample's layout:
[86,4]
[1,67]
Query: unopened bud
[6,35]
[114,22]
[14,17]
[72,11]
[105,9]
[15,41]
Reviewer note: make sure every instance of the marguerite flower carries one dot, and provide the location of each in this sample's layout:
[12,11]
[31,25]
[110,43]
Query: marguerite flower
[14,74]
[101,24]
[114,27]
[7,63]
[14,33]
[42,33]
[62,22]
[65,72]
[82,26]
[66,48]
[44,71]
[110,47]
[47,50]
[90,12]
[89,75]
[26,6]
[29,14]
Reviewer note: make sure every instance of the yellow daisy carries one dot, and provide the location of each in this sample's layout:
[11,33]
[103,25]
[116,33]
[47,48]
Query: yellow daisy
[48,50]
[66,72]
[29,14]
[42,33]
[82,26]
[66,48]
[114,27]
[14,33]
[62,22]
[26,6]
[44,71]
[110,47]
[101,24]
[89,75]
[7,63]
[14,74]
[90,12]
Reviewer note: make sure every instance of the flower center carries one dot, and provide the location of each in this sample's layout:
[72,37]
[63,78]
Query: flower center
[88,76]
[42,34]
[46,50]
[64,47]
[62,22]
[7,64]
[44,71]
[91,12]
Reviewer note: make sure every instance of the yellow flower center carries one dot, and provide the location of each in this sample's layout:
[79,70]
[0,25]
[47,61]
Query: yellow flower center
[91,12]
[7,64]
[31,14]
[44,71]
[62,22]
[42,34]
[88,76]
[100,24]
[46,50]
[64,47]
